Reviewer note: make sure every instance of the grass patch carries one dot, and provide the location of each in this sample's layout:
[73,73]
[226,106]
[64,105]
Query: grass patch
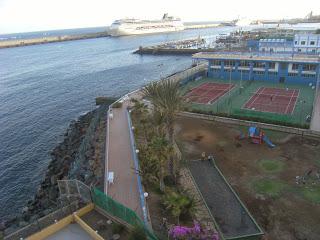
[312,194]
[272,188]
[271,166]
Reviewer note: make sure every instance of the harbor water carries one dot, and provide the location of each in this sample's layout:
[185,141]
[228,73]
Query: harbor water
[44,87]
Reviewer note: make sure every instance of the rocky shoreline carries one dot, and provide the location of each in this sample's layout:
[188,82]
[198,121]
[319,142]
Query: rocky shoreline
[79,156]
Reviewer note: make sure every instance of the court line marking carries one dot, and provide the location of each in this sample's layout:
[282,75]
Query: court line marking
[256,94]
[222,93]
[288,104]
[295,103]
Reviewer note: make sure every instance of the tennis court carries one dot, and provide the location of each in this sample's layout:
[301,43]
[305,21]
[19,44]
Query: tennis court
[208,93]
[273,100]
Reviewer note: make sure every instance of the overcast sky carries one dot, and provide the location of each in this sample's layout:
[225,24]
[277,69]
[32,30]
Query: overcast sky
[34,15]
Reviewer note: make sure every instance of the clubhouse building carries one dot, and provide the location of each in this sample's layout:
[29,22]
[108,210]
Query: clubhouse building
[272,67]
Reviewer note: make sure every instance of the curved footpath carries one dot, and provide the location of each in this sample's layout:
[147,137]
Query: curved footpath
[120,160]
[121,157]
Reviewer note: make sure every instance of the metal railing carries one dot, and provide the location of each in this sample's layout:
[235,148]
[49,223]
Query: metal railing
[44,222]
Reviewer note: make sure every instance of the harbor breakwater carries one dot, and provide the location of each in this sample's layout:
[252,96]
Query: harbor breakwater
[79,156]
[50,39]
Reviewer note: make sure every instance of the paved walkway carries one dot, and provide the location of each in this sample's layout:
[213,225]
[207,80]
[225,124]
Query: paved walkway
[315,123]
[120,161]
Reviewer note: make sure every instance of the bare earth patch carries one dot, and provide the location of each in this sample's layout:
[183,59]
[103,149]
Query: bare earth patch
[292,210]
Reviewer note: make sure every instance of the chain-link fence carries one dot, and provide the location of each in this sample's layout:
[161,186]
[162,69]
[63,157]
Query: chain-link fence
[74,190]
[233,103]
[120,211]
[43,222]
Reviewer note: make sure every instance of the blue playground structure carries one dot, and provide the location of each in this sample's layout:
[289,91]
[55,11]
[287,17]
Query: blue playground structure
[256,136]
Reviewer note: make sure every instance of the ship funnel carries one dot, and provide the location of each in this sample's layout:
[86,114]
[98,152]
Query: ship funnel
[165,16]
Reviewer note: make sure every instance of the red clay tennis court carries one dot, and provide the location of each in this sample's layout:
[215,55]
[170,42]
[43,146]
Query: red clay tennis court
[208,93]
[274,100]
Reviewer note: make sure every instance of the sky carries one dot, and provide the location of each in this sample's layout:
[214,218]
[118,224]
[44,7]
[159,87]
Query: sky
[36,15]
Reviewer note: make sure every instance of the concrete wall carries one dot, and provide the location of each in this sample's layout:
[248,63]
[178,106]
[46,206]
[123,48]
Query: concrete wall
[291,130]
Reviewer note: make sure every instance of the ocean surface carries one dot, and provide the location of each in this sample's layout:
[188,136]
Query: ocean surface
[44,87]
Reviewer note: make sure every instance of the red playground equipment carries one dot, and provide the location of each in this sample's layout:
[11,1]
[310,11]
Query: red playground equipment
[256,136]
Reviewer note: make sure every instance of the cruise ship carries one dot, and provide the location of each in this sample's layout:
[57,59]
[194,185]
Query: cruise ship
[124,27]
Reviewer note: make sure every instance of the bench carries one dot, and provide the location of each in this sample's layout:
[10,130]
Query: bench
[110,177]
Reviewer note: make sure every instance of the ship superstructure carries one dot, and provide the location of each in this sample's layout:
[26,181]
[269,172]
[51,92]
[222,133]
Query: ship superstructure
[124,27]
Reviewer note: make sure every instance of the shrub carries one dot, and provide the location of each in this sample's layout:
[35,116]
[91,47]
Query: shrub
[117,228]
[117,105]
[138,233]
[179,204]
[104,100]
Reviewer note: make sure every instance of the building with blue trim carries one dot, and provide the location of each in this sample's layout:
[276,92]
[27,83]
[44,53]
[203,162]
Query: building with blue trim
[276,67]
[275,45]
[302,43]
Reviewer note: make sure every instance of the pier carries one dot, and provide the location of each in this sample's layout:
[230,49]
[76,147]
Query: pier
[53,39]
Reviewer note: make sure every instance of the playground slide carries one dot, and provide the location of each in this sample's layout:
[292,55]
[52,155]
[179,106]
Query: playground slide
[268,142]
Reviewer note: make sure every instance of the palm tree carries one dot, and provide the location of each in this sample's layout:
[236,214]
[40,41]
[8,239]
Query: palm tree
[141,113]
[161,150]
[179,204]
[167,102]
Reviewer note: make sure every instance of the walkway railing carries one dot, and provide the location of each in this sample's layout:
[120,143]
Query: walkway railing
[137,168]
[119,211]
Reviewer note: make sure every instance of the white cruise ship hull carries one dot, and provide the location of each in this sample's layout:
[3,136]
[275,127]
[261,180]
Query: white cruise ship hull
[115,32]
[124,27]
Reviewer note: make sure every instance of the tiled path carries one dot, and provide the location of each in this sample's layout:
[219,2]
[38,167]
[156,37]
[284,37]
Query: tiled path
[120,161]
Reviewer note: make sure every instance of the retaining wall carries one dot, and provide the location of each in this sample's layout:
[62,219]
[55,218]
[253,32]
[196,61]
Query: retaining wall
[297,131]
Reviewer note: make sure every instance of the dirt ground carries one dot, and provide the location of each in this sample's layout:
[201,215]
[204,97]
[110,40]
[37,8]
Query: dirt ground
[288,216]
[98,222]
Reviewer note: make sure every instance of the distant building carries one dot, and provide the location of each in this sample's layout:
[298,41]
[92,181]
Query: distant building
[275,45]
[307,43]
[276,67]
[302,43]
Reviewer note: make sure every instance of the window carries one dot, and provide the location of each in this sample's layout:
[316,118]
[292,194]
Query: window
[258,72]
[244,63]
[299,49]
[308,75]
[216,62]
[272,65]
[229,63]
[309,67]
[259,64]
[303,42]
[245,71]
[273,73]
[295,66]
[293,74]
[312,42]
[296,42]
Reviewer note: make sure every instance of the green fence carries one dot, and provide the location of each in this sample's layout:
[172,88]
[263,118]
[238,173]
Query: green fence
[120,211]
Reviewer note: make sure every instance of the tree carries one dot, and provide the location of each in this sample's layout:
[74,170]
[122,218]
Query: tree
[179,204]
[167,102]
[138,233]
[318,31]
[141,113]
[161,150]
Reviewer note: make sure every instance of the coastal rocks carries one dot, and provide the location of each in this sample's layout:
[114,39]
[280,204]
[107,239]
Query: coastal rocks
[76,157]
